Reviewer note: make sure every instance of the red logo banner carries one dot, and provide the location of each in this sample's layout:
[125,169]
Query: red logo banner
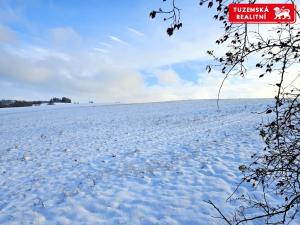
[262,13]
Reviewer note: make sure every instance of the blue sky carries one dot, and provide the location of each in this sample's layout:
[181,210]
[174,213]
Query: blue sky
[108,51]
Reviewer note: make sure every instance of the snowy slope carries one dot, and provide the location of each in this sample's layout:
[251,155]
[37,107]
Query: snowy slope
[123,164]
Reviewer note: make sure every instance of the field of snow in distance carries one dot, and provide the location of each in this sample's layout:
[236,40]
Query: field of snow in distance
[124,164]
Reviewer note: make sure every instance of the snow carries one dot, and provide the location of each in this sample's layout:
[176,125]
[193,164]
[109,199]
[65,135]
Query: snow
[124,164]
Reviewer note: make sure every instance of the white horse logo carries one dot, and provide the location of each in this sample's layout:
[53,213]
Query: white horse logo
[282,13]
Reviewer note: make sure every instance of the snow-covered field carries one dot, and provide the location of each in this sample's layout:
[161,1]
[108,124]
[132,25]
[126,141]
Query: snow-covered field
[123,164]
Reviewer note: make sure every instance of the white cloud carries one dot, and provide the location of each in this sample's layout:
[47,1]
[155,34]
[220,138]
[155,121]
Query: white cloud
[94,76]
[136,32]
[116,39]
[65,35]
[168,77]
[101,50]
[7,35]
[21,69]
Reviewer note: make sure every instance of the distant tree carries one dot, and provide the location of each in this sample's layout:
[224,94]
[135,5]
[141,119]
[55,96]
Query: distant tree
[54,100]
[58,100]
[66,100]
[276,170]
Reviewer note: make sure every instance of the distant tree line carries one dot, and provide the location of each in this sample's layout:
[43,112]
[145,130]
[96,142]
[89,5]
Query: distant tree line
[22,103]
[58,100]
[16,103]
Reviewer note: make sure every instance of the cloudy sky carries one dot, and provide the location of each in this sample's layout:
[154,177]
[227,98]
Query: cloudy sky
[111,51]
